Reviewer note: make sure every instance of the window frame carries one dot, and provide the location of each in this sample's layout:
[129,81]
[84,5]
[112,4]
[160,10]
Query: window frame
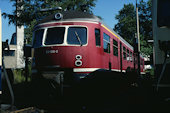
[65,35]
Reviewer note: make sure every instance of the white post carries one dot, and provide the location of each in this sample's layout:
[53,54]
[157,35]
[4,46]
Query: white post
[20,43]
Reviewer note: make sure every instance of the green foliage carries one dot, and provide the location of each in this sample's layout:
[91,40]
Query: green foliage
[79,5]
[146,48]
[18,76]
[126,25]
[29,11]
[28,31]
[150,72]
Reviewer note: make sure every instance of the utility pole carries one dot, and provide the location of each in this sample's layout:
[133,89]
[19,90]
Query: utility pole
[138,38]
[20,39]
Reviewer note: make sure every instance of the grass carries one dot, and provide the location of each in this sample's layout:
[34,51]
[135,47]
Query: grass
[2,111]
[19,76]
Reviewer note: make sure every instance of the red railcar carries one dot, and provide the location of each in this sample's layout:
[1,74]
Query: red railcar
[77,43]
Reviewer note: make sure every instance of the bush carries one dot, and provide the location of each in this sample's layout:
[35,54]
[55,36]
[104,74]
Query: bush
[19,76]
[150,72]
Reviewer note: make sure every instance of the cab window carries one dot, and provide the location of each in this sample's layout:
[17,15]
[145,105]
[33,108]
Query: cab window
[55,35]
[77,35]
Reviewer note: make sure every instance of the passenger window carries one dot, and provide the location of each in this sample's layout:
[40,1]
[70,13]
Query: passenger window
[115,48]
[128,58]
[131,58]
[106,43]
[124,53]
[97,37]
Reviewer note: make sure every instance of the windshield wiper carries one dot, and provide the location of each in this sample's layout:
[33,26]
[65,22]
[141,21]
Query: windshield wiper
[78,38]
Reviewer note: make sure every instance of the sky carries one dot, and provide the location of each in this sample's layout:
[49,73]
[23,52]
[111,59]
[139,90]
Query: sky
[107,9]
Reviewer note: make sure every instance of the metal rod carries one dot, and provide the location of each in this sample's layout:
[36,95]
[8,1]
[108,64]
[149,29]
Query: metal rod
[8,83]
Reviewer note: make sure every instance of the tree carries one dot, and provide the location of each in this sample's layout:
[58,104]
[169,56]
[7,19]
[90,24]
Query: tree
[145,18]
[126,25]
[28,11]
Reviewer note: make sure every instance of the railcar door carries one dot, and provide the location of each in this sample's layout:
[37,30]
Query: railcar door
[120,56]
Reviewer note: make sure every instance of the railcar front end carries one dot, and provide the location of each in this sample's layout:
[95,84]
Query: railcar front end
[63,48]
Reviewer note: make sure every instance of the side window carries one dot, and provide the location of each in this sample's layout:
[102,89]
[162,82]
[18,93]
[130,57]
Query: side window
[131,58]
[115,48]
[128,58]
[124,53]
[106,43]
[97,36]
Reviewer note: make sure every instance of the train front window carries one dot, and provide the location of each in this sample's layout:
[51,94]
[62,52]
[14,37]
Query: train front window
[38,36]
[55,36]
[77,35]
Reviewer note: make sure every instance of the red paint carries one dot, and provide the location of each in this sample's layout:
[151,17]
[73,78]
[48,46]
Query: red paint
[92,56]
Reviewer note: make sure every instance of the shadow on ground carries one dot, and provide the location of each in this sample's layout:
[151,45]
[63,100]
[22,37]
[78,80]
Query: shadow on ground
[99,92]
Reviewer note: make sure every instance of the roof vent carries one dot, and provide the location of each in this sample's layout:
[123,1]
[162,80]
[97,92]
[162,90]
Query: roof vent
[58,16]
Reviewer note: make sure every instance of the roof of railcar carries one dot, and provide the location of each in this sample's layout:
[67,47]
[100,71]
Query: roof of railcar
[80,16]
[71,15]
